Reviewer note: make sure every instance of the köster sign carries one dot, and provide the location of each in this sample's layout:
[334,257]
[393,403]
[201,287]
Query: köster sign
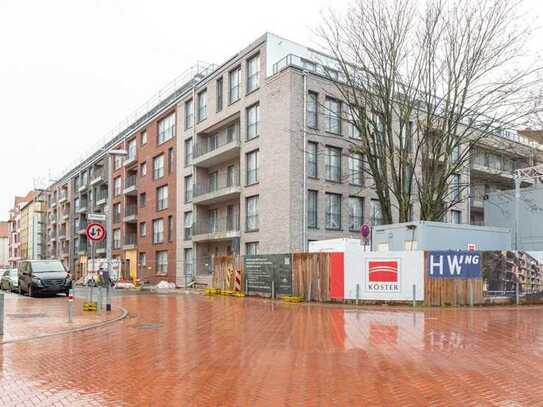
[454,264]
[383,276]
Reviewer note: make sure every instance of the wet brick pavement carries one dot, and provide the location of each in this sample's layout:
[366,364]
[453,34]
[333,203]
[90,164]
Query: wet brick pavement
[179,350]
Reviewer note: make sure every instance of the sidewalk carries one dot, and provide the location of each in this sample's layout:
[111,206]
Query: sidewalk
[28,318]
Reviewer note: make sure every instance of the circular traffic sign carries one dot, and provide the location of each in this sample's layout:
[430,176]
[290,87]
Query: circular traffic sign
[365,231]
[96,232]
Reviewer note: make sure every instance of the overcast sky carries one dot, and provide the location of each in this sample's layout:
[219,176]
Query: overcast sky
[71,70]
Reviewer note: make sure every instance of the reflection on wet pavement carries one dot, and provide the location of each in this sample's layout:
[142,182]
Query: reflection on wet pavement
[195,350]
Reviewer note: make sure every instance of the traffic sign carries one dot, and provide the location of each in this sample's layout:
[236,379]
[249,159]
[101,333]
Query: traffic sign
[96,232]
[365,231]
[97,217]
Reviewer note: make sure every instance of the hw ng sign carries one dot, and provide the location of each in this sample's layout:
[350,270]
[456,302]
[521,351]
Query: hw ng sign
[454,264]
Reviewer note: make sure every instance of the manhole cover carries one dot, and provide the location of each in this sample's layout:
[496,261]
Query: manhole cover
[23,316]
[142,327]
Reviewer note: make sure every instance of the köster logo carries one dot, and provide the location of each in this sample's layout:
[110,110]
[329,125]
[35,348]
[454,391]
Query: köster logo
[383,276]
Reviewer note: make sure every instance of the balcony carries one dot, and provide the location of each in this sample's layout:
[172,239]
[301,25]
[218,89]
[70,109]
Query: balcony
[216,230]
[131,213]
[53,204]
[81,248]
[208,193]
[97,177]
[82,207]
[130,160]
[130,241]
[81,227]
[130,185]
[62,233]
[101,197]
[65,214]
[82,186]
[63,196]
[101,247]
[207,155]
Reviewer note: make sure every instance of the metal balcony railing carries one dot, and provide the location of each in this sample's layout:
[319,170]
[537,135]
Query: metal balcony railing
[130,239]
[204,147]
[220,184]
[101,195]
[131,210]
[130,181]
[219,225]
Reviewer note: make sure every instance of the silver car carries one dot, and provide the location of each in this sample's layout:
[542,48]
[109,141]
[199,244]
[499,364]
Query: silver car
[9,280]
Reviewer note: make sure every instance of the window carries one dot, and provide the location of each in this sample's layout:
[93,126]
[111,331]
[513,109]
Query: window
[312,197]
[407,136]
[188,262]
[131,148]
[143,229]
[333,164]
[143,137]
[116,213]
[352,130]
[212,142]
[158,231]
[166,128]
[231,134]
[333,211]
[142,259]
[143,200]
[252,167]
[231,176]
[251,248]
[189,114]
[213,220]
[162,198]
[312,110]
[77,203]
[187,225]
[117,239]
[252,122]
[331,73]
[356,213]
[455,153]
[171,160]
[455,188]
[117,161]
[219,94]
[233,85]
[308,65]
[356,168]
[252,214]
[312,170]
[202,105]
[253,73]
[333,111]
[213,181]
[456,217]
[170,228]
[376,213]
[143,169]
[162,262]
[188,188]
[188,152]
[158,166]
[117,186]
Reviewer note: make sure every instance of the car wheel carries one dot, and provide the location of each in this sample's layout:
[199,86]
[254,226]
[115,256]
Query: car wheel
[20,288]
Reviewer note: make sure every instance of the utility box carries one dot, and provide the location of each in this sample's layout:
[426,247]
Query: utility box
[425,235]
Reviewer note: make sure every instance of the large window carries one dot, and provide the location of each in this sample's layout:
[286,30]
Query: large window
[188,188]
[252,121]
[312,207]
[171,229]
[166,128]
[233,85]
[143,229]
[356,213]
[333,164]
[312,110]
[187,226]
[312,167]
[117,238]
[213,181]
[158,231]
[131,148]
[188,152]
[219,94]
[188,267]
[333,111]
[376,213]
[158,166]
[456,217]
[253,73]
[116,213]
[189,114]
[356,169]
[143,137]
[252,214]
[455,186]
[171,160]
[117,186]
[252,167]
[202,105]
[143,169]
[333,211]
[352,130]
[251,248]
[162,262]
[162,197]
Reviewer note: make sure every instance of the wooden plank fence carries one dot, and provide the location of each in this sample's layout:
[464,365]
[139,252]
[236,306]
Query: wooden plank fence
[439,292]
[224,272]
[311,276]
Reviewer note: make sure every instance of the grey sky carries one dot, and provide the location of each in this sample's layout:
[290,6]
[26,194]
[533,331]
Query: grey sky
[70,70]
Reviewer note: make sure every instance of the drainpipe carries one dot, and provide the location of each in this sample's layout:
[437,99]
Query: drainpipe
[304,119]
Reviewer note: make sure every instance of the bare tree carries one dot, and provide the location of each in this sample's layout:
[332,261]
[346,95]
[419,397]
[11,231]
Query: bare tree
[425,84]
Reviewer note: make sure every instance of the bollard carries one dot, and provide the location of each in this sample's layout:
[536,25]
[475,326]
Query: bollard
[273,289]
[357,293]
[91,297]
[108,298]
[414,295]
[1,314]
[470,293]
[246,285]
[70,305]
[99,299]
[517,293]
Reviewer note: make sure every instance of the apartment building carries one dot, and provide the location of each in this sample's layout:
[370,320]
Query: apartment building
[237,158]
[4,244]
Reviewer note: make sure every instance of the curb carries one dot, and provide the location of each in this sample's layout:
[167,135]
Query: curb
[124,314]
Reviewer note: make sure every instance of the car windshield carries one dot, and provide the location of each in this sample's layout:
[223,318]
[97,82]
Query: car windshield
[47,266]
[13,273]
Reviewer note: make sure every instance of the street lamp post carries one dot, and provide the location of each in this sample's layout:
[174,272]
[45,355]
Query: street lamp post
[109,217]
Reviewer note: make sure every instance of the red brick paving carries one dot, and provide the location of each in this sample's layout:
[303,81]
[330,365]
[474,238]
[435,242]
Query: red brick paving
[195,350]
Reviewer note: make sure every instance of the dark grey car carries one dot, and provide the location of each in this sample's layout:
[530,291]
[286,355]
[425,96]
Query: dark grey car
[43,277]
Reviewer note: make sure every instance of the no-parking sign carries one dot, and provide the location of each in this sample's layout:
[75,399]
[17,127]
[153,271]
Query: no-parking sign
[96,232]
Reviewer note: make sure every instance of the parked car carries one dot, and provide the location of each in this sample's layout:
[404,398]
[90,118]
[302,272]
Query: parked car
[43,277]
[9,280]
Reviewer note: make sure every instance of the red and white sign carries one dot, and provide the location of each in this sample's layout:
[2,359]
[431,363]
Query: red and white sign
[383,276]
[95,232]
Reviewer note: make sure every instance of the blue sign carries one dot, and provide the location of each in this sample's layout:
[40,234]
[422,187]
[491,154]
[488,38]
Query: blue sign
[454,264]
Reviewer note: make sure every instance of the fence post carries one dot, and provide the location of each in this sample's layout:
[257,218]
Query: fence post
[309,287]
[273,289]
[517,293]
[414,295]
[99,300]
[470,283]
[70,305]
[357,293]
